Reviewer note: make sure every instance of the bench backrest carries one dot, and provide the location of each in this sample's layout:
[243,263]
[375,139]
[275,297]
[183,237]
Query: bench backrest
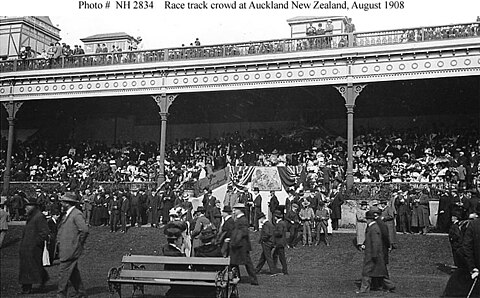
[141,259]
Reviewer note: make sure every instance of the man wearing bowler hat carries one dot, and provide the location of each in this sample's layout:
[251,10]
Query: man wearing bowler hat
[32,244]
[257,207]
[71,237]
[201,222]
[240,245]
[267,243]
[225,231]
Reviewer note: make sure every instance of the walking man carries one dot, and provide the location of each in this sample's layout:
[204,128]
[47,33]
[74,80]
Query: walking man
[71,237]
[374,265]
[3,222]
[267,243]
[32,244]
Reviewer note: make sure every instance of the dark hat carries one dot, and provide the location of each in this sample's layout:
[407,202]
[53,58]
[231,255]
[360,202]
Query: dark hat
[200,209]
[370,214]
[457,214]
[261,215]
[256,189]
[227,209]
[363,203]
[207,234]
[174,229]
[321,203]
[278,213]
[69,197]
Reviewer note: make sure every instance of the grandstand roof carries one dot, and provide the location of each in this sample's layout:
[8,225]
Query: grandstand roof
[107,36]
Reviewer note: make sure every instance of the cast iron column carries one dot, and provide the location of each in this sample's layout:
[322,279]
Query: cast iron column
[350,93]
[164,102]
[12,109]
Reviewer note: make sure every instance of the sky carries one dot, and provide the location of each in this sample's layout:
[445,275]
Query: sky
[160,27]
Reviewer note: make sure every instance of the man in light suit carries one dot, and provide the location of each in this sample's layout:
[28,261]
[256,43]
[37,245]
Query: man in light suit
[72,233]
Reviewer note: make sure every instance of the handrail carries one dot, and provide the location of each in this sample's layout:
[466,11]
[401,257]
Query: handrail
[251,48]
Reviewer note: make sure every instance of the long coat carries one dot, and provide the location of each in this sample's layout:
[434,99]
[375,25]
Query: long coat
[388,216]
[420,213]
[32,244]
[471,245]
[240,242]
[336,206]
[72,233]
[374,261]
[153,205]
[361,226]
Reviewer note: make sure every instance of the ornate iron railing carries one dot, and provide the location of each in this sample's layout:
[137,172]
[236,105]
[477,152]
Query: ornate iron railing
[289,45]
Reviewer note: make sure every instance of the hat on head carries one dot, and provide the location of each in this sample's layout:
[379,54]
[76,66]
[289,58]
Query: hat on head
[278,213]
[363,203]
[306,203]
[457,214]
[69,197]
[256,189]
[239,206]
[207,234]
[227,209]
[174,229]
[261,215]
[370,214]
[294,205]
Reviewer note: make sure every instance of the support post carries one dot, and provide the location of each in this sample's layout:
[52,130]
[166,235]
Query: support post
[350,93]
[164,102]
[12,109]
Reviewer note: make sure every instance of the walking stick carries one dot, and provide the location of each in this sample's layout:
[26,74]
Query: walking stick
[473,286]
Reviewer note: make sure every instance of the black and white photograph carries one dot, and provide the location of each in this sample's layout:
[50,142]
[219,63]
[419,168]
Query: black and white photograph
[230,148]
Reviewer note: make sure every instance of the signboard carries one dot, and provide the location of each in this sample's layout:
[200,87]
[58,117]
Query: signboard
[212,181]
[266,178]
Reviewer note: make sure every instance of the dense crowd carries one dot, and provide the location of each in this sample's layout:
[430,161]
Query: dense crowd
[379,156]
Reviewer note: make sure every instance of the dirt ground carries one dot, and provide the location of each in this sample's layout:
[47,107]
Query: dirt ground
[317,271]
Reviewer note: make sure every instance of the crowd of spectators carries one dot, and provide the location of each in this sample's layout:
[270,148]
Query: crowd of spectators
[379,156]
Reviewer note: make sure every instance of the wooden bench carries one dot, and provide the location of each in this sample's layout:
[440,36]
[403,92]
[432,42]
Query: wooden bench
[134,271]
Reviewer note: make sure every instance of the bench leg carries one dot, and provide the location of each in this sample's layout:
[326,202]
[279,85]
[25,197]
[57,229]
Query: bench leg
[114,287]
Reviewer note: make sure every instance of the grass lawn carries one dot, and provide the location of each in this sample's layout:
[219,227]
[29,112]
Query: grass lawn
[317,271]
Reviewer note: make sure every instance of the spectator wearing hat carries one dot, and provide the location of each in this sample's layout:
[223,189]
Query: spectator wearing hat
[240,245]
[328,31]
[31,246]
[201,222]
[273,204]
[361,224]
[153,209]
[231,197]
[114,207]
[71,237]
[293,224]
[3,221]
[257,207]
[322,214]
[208,248]
[388,217]
[267,242]
[245,197]
[374,264]
[420,212]
[225,230]
[455,236]
[124,211]
[403,205]
[216,214]
[306,217]
[87,198]
[17,204]
[208,203]
[336,202]
[280,241]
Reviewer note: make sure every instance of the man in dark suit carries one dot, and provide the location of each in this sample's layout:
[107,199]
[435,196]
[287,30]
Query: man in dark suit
[124,210]
[267,243]
[273,204]
[471,248]
[225,231]
[71,237]
[240,245]
[257,207]
[374,265]
[280,240]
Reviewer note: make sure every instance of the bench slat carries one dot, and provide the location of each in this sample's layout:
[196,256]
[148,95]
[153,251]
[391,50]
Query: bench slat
[175,260]
[183,275]
[163,282]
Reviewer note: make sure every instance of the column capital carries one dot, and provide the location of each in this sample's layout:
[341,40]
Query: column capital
[164,101]
[350,92]
[12,108]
